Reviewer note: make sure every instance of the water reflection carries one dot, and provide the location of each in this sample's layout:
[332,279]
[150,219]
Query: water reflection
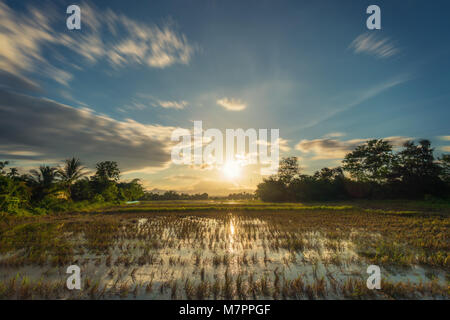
[231,236]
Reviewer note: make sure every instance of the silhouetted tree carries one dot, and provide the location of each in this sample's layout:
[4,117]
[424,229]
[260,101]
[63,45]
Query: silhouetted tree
[13,173]
[288,169]
[329,174]
[417,169]
[370,162]
[272,189]
[3,164]
[444,162]
[71,172]
[42,181]
[107,171]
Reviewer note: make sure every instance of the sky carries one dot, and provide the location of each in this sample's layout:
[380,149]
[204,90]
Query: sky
[118,88]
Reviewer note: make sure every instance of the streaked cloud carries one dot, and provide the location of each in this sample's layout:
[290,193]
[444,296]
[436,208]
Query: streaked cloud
[121,41]
[445,138]
[142,100]
[373,44]
[359,97]
[17,82]
[232,104]
[41,129]
[337,149]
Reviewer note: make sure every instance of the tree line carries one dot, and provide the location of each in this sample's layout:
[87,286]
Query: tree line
[371,171]
[58,188]
[173,195]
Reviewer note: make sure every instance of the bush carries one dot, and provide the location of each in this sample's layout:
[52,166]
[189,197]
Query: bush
[14,195]
[98,198]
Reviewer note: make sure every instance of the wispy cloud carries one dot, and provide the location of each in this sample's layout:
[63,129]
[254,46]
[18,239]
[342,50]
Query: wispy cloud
[337,149]
[142,100]
[360,97]
[232,104]
[334,135]
[371,43]
[283,144]
[172,104]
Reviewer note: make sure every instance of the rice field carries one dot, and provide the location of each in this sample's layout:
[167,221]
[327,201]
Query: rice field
[229,250]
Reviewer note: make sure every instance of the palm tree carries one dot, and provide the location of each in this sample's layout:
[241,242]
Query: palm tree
[43,180]
[72,171]
[44,177]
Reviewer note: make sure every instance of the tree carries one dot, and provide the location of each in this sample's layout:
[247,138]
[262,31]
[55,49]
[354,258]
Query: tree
[43,181]
[131,190]
[288,169]
[370,162]
[82,189]
[328,174]
[13,173]
[272,189]
[445,167]
[3,164]
[417,161]
[71,172]
[418,170]
[107,171]
[44,177]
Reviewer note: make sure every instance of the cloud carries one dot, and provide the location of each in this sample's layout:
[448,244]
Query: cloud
[334,135]
[232,104]
[154,46]
[172,104]
[283,144]
[41,129]
[360,97]
[445,138]
[142,100]
[182,177]
[121,41]
[336,149]
[17,82]
[372,44]
[445,148]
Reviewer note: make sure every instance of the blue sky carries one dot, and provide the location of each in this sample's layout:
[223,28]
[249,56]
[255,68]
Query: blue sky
[310,68]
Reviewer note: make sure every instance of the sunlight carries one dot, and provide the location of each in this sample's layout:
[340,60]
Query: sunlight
[232,170]
[231,237]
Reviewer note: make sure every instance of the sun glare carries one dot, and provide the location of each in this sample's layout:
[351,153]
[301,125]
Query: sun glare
[232,170]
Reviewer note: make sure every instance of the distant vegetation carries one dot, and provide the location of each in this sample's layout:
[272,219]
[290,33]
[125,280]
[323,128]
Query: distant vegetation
[172,195]
[371,171]
[65,188]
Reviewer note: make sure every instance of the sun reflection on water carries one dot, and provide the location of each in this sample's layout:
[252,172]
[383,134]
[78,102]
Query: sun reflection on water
[231,236]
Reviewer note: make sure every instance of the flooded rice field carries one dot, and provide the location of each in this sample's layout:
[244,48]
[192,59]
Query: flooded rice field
[312,254]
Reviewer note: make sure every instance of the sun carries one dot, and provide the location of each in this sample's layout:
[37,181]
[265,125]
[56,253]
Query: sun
[231,170]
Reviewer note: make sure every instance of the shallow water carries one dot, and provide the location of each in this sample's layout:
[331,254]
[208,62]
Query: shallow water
[228,256]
